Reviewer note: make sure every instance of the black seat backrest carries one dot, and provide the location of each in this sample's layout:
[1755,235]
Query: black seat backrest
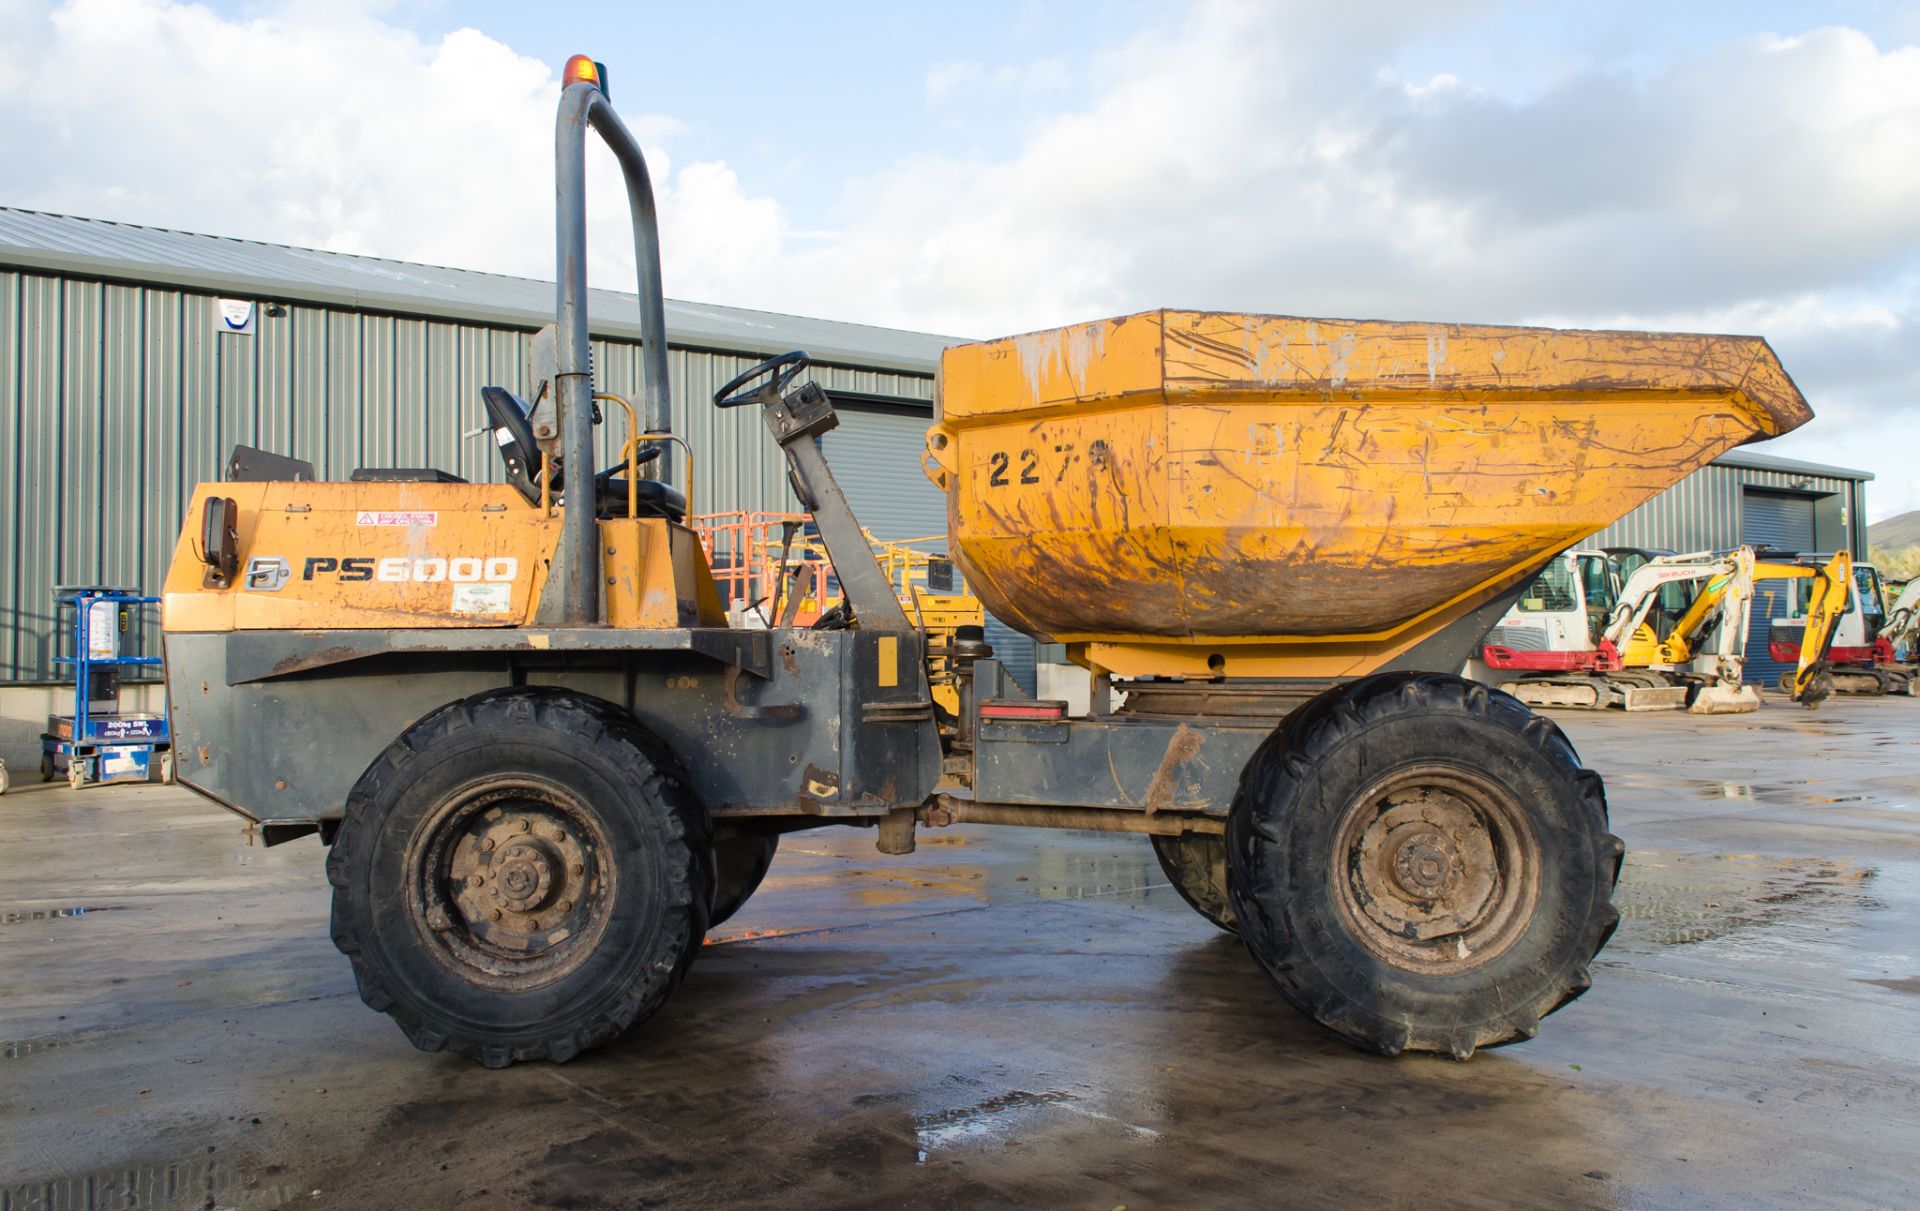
[508,415]
[511,421]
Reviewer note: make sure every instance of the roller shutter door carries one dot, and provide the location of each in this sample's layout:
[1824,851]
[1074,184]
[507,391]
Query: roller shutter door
[1775,519]
[875,454]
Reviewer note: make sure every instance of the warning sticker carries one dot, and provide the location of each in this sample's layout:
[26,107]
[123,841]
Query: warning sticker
[482,598]
[373,517]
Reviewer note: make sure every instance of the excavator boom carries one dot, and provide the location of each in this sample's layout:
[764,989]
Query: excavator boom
[1726,595]
[1812,681]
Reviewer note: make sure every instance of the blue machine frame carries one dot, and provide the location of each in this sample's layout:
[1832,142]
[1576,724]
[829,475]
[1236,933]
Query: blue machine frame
[93,745]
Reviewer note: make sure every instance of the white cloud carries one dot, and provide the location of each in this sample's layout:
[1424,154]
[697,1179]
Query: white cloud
[1243,155]
[321,126]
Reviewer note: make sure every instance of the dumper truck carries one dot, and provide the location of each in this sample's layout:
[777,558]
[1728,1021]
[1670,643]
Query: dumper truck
[544,764]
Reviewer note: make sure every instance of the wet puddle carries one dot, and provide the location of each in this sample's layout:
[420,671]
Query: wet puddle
[1674,898]
[1062,874]
[55,914]
[196,1182]
[26,1047]
[1001,1118]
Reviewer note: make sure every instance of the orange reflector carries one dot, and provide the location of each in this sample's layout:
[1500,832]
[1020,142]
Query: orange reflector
[580,69]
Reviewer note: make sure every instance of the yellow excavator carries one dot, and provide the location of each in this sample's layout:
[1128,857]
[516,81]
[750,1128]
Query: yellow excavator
[1582,640]
[1720,609]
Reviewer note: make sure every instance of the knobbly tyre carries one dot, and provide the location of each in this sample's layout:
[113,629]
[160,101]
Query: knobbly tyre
[545,764]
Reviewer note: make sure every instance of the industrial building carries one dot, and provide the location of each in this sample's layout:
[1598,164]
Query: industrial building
[1760,500]
[133,359]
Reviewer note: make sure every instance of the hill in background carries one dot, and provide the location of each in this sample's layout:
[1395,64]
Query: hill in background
[1895,544]
[1897,532]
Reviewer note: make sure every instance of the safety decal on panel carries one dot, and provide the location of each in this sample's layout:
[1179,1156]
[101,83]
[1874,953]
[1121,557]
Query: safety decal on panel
[376,517]
[482,598]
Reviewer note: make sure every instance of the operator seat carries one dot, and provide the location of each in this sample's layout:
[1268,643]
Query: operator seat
[513,430]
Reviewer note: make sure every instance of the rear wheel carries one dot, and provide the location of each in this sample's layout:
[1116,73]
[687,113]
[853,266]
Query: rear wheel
[520,876]
[740,861]
[1196,864]
[1420,864]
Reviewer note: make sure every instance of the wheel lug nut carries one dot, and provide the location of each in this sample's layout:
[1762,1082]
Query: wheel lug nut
[579,868]
[474,879]
[559,834]
[486,845]
[497,914]
[565,906]
[522,827]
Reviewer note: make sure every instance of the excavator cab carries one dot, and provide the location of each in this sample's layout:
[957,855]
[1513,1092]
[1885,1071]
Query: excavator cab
[1859,651]
[1600,586]
[1558,619]
[1670,602]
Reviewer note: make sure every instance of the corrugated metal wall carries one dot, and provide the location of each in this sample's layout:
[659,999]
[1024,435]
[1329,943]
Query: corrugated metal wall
[1702,511]
[116,400]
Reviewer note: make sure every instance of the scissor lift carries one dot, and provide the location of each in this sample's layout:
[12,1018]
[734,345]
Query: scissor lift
[98,742]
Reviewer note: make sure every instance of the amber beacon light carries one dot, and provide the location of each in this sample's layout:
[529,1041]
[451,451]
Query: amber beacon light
[582,69]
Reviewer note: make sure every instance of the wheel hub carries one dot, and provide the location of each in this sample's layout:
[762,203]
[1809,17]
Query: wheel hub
[510,882]
[1425,867]
[1437,873]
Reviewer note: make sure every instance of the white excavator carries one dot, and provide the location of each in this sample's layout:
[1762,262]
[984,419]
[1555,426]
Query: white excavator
[1580,639]
[1902,631]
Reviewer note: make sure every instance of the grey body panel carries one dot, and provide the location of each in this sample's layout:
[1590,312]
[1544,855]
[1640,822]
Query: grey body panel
[1147,765]
[1186,764]
[818,736]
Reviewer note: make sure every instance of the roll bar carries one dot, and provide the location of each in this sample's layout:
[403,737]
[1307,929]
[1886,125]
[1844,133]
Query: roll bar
[583,105]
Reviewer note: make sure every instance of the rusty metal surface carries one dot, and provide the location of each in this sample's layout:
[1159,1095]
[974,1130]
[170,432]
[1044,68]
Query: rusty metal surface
[1268,699]
[288,747]
[1223,481]
[946,811]
[1442,869]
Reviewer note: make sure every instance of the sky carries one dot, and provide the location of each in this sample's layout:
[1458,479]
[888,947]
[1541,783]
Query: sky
[1001,166]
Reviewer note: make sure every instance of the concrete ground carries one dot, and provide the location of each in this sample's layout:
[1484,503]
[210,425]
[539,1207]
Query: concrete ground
[1004,1019]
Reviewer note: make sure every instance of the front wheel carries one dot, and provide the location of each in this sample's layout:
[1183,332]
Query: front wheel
[1420,864]
[520,876]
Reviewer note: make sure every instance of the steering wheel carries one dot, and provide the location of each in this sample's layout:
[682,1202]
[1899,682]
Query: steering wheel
[779,373]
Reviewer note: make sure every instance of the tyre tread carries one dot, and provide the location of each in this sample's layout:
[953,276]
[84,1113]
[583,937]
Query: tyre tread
[1285,761]
[650,766]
